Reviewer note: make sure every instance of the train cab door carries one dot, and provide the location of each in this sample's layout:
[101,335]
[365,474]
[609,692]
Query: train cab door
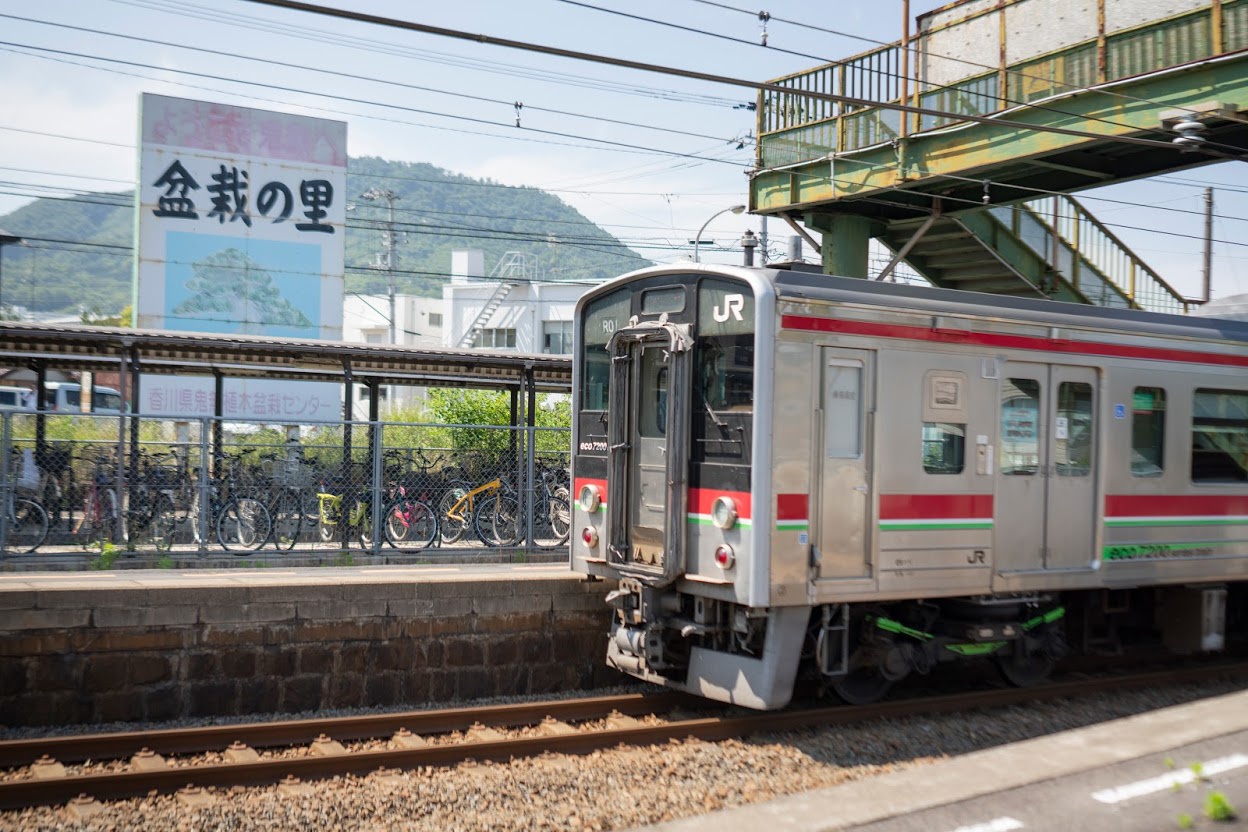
[1046,504]
[647,446]
[842,542]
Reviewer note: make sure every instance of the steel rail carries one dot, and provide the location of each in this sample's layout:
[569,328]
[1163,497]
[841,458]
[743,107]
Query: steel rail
[111,786]
[78,747]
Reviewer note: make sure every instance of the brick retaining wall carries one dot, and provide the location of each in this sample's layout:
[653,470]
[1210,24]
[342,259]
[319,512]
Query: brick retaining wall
[155,653]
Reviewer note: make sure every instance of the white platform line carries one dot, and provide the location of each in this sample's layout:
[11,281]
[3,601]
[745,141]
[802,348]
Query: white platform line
[1167,781]
[994,825]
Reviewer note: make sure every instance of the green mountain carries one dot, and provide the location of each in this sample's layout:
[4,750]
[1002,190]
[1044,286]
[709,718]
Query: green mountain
[436,213]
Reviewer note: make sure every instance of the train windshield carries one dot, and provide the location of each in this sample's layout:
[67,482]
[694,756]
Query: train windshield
[724,371]
[602,317]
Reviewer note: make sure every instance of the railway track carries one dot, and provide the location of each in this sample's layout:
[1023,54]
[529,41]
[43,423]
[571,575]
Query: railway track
[298,750]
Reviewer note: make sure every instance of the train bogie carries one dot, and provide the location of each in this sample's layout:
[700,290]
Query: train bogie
[797,475]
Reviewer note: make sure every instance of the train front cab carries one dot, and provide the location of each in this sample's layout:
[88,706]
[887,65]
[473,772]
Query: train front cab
[668,502]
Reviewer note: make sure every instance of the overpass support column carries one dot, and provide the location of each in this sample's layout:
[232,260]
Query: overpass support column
[846,239]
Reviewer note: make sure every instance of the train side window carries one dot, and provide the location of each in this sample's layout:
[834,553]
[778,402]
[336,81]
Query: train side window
[1020,427]
[1220,436]
[944,448]
[1148,431]
[1072,430]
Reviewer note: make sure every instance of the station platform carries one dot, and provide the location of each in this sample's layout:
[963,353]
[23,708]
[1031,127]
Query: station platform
[1144,772]
[163,643]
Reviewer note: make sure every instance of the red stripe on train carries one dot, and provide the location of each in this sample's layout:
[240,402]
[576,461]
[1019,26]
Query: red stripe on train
[1176,505]
[792,507]
[1022,342]
[701,500]
[935,506]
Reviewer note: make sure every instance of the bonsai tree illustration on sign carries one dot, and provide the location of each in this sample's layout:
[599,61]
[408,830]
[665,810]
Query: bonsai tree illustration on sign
[230,286]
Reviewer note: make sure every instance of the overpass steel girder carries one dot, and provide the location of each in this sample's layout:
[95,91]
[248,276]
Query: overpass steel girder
[898,179]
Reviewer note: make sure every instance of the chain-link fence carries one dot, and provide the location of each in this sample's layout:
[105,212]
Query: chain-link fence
[114,490]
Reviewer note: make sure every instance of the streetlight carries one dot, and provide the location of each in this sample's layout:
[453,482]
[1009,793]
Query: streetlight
[6,239]
[736,209]
[387,241]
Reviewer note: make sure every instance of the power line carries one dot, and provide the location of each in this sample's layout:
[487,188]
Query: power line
[373,79]
[235,20]
[458,34]
[626,146]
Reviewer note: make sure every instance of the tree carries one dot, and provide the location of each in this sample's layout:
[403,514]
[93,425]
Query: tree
[231,283]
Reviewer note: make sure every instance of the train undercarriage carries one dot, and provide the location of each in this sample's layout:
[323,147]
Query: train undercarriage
[755,657]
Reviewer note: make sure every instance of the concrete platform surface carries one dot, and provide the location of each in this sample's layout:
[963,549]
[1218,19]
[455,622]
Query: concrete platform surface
[1102,777]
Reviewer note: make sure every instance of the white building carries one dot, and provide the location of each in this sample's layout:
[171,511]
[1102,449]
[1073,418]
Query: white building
[511,309]
[418,323]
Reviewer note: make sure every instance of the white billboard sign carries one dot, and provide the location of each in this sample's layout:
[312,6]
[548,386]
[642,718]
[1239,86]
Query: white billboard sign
[241,221]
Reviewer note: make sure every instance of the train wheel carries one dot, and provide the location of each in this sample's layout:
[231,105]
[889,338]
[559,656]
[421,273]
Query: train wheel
[863,684]
[1024,669]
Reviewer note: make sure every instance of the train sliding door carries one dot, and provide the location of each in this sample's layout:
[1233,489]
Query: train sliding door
[844,498]
[1046,505]
[647,449]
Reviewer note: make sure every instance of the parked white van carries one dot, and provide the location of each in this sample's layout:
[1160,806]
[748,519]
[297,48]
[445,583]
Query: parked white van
[66,397]
[16,398]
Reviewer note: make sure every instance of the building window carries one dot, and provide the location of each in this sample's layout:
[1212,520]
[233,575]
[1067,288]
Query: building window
[497,339]
[435,319]
[374,338]
[1220,436]
[1148,431]
[557,337]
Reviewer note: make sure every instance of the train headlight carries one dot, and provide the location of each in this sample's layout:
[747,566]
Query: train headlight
[724,513]
[589,498]
[590,535]
[725,557]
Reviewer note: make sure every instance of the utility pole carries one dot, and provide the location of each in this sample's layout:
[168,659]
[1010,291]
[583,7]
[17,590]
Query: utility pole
[1207,272]
[388,246]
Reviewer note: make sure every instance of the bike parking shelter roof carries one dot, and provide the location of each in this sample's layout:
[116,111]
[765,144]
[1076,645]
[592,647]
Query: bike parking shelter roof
[73,347]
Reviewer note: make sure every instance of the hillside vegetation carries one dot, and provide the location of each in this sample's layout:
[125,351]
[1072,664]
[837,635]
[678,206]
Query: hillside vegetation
[437,212]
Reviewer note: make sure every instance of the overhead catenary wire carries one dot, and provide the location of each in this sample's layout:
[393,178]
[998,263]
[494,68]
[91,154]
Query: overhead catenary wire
[608,143]
[356,77]
[459,34]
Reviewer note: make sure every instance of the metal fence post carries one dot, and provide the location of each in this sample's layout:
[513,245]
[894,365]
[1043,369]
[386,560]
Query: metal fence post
[6,480]
[531,492]
[203,486]
[375,440]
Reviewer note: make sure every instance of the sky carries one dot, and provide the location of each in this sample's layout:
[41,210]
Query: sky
[649,157]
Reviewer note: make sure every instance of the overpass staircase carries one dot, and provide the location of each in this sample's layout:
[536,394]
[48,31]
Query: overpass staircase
[993,102]
[1049,248]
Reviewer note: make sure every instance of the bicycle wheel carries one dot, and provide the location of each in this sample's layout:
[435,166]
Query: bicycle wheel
[244,525]
[362,518]
[453,528]
[287,514]
[552,521]
[410,524]
[164,522]
[327,519]
[98,519]
[498,520]
[28,526]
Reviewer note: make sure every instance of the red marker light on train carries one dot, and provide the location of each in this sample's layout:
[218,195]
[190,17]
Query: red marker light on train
[590,535]
[724,557]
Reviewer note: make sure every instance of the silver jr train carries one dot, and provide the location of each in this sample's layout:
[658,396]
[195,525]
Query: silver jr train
[795,476]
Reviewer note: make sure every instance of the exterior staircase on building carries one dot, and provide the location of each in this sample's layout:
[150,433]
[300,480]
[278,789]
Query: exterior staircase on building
[1050,247]
[487,312]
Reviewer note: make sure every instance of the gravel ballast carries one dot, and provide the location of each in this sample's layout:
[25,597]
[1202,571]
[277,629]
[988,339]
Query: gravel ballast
[616,789]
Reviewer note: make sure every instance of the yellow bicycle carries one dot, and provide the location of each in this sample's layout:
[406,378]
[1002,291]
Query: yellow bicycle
[496,516]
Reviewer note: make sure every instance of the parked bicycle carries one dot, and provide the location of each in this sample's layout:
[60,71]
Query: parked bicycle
[151,518]
[342,513]
[408,521]
[100,514]
[495,516]
[25,519]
